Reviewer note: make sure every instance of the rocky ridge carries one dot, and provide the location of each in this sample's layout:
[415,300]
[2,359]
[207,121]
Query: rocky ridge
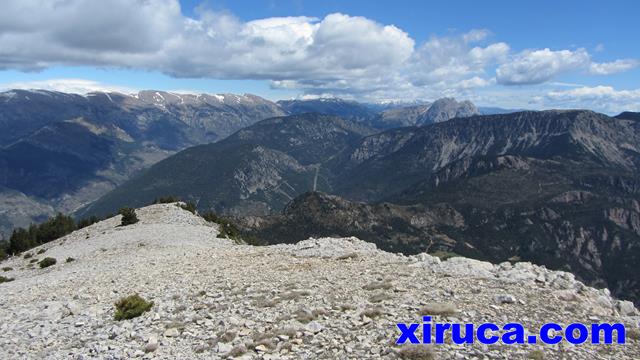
[324,298]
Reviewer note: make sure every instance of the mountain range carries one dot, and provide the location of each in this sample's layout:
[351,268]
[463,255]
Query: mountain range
[60,152]
[558,188]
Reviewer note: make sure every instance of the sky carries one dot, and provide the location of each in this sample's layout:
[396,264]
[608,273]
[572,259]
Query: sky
[511,54]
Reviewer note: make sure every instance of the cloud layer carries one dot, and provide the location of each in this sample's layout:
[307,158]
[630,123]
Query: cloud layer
[338,55]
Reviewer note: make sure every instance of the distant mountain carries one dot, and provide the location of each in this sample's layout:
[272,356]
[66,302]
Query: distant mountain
[255,171]
[62,151]
[629,115]
[489,110]
[445,109]
[400,116]
[351,110]
[384,116]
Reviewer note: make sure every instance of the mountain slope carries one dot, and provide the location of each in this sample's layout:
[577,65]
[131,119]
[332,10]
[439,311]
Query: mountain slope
[256,170]
[321,298]
[66,150]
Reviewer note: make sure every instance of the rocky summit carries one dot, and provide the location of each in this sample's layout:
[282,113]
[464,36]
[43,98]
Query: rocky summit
[327,298]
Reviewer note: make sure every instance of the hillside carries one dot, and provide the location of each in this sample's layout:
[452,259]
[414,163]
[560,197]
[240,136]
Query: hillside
[62,151]
[320,298]
[256,170]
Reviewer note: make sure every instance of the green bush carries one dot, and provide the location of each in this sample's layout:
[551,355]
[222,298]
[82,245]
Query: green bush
[3,254]
[52,229]
[7,268]
[227,229]
[27,256]
[41,251]
[70,259]
[189,206]
[131,306]
[166,200]
[88,221]
[128,216]
[5,279]
[46,262]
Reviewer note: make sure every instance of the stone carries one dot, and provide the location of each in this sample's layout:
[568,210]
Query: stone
[626,308]
[172,332]
[504,299]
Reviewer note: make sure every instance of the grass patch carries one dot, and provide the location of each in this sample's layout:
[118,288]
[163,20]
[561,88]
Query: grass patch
[131,306]
[4,279]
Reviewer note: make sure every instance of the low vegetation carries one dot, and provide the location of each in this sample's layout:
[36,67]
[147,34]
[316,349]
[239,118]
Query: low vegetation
[129,216]
[70,259]
[46,262]
[189,206]
[166,200]
[22,239]
[5,279]
[131,306]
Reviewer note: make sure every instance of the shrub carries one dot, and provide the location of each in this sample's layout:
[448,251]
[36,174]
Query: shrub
[3,254]
[46,262]
[189,206]
[88,221]
[227,229]
[41,251]
[128,216]
[5,279]
[70,259]
[27,256]
[7,268]
[54,228]
[131,306]
[166,200]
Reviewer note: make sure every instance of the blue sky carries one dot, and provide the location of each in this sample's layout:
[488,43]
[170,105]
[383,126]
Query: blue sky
[518,54]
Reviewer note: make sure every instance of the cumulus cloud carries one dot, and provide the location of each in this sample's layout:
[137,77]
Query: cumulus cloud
[602,98]
[613,67]
[538,66]
[339,54]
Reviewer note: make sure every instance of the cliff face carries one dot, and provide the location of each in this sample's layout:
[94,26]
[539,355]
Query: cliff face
[327,297]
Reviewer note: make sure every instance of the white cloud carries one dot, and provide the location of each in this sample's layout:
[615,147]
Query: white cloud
[339,54]
[74,86]
[601,98]
[538,66]
[613,67]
